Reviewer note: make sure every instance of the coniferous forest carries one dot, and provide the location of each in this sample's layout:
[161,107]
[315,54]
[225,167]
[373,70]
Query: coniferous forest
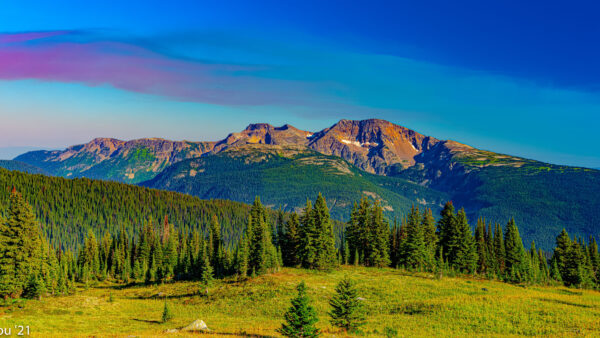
[185,240]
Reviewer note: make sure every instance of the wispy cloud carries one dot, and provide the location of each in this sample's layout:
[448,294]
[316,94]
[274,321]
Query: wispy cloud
[65,57]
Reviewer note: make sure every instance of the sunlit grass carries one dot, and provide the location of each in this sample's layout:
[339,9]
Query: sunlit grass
[395,302]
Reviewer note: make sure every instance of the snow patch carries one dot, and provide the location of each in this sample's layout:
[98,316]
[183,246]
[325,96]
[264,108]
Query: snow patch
[358,144]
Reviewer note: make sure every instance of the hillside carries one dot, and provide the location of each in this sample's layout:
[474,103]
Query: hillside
[286,176]
[394,163]
[68,209]
[111,159]
[396,303]
[22,166]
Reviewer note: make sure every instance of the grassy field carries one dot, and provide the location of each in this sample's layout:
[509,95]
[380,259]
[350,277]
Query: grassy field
[397,303]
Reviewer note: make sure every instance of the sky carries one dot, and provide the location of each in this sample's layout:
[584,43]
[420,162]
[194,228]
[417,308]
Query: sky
[515,77]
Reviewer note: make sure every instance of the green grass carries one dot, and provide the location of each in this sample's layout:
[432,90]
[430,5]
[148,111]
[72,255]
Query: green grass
[395,301]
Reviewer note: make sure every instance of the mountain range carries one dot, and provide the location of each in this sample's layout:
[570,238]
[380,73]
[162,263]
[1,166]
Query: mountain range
[385,161]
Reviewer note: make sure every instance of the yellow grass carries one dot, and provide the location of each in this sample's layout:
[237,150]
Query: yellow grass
[395,302]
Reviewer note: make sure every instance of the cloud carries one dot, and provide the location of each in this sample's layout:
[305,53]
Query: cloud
[92,60]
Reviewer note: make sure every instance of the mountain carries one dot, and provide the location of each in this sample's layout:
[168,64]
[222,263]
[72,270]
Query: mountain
[22,166]
[125,161]
[285,175]
[384,160]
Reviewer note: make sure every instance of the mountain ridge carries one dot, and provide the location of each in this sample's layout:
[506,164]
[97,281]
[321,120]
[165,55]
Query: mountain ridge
[541,197]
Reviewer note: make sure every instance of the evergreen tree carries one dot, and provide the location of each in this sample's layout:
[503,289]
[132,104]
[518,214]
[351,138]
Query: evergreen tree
[414,246]
[346,308]
[290,243]
[241,259]
[308,235]
[499,250]
[430,235]
[447,231]
[378,234]
[515,257]
[301,317]
[35,288]
[167,314]
[261,249]
[325,258]
[562,248]
[480,242]
[207,272]
[20,242]
[463,243]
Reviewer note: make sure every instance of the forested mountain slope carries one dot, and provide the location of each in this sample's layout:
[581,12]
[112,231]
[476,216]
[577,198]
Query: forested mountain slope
[286,176]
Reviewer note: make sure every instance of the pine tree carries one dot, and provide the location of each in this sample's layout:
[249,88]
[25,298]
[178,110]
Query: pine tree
[35,288]
[414,246]
[20,242]
[499,250]
[346,307]
[465,258]
[563,246]
[378,234]
[241,258]
[430,235]
[480,242]
[447,230]
[167,314]
[308,247]
[301,317]
[325,258]
[261,249]
[290,243]
[515,257]
[207,272]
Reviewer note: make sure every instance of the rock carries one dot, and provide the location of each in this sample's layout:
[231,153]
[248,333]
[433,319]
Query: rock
[197,325]
[171,331]
[361,299]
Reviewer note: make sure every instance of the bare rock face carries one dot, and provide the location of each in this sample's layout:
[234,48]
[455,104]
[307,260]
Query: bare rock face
[376,146]
[373,145]
[263,133]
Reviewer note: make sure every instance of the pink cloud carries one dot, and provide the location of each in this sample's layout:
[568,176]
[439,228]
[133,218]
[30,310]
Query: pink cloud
[133,68]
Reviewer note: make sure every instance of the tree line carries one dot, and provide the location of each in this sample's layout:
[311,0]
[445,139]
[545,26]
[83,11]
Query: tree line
[30,265]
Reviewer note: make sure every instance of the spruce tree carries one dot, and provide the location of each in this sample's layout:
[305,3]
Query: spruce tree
[20,242]
[465,258]
[515,257]
[207,276]
[35,287]
[290,243]
[430,236]
[308,247]
[563,246]
[262,253]
[447,230]
[325,258]
[346,307]
[301,317]
[480,242]
[241,258]
[378,235]
[167,314]
[414,246]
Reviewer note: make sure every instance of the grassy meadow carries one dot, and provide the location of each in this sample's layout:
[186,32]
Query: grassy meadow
[396,304]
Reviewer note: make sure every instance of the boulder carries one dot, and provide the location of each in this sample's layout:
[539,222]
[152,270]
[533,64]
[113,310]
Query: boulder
[196,325]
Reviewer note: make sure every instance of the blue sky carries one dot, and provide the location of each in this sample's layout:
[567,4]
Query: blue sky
[510,77]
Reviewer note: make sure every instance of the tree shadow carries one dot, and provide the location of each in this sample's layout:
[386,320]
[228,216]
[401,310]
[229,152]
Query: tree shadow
[564,302]
[146,321]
